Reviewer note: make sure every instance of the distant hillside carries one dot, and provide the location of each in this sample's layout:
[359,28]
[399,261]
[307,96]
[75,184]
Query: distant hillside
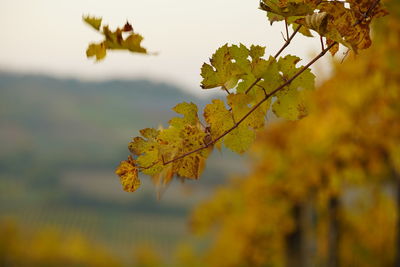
[58,126]
[60,117]
[61,140]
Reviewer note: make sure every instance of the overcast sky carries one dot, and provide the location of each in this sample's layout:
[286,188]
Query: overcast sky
[48,36]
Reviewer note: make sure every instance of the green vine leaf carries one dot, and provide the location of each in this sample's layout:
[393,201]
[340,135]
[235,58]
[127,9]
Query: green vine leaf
[240,139]
[222,72]
[291,105]
[218,117]
[291,101]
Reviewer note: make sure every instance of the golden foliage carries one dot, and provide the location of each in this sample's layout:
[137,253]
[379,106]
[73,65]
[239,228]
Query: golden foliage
[48,247]
[347,148]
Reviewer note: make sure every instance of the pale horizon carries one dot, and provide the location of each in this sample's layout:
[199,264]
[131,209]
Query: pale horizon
[49,37]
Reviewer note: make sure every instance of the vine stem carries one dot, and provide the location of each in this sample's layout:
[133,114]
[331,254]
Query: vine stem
[272,93]
[288,40]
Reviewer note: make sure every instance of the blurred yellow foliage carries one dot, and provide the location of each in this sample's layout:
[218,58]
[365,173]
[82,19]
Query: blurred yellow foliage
[48,247]
[145,256]
[328,181]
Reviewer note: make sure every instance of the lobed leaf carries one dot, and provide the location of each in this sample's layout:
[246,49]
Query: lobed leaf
[96,50]
[240,139]
[146,151]
[189,112]
[178,141]
[287,66]
[128,173]
[241,105]
[222,72]
[290,103]
[218,118]
[271,78]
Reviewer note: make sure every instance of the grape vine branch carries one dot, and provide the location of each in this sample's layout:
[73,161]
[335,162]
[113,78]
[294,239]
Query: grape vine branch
[254,86]
[365,16]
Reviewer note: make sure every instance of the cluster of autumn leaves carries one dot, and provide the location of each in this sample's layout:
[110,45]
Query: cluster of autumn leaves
[340,22]
[182,148]
[256,87]
[122,38]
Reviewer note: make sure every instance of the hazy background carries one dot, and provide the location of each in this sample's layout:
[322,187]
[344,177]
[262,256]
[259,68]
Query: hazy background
[48,36]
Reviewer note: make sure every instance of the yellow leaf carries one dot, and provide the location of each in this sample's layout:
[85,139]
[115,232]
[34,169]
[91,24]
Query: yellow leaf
[240,139]
[218,117]
[291,105]
[189,112]
[93,21]
[147,151]
[133,43]
[128,173]
[240,104]
[149,133]
[190,138]
[96,50]
[190,166]
[222,71]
